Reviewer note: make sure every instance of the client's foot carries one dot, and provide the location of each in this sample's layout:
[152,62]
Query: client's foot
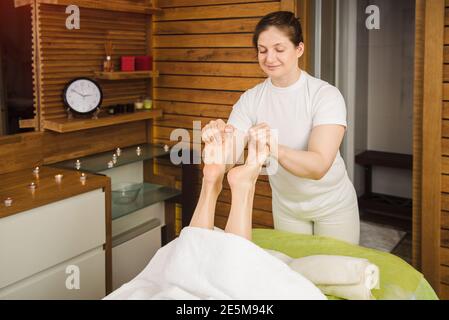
[217,154]
[247,174]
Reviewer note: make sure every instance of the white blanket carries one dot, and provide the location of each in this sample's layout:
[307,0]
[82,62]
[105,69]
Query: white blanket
[206,264]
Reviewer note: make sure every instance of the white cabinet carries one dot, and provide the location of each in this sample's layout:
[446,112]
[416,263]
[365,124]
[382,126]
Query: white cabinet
[132,251]
[136,236]
[37,245]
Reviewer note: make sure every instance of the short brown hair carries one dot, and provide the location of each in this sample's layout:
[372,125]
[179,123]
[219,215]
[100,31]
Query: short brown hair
[283,20]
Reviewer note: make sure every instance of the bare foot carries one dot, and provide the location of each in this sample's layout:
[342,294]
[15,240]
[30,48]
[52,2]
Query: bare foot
[217,154]
[248,173]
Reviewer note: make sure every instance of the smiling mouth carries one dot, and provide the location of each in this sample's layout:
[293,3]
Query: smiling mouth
[272,67]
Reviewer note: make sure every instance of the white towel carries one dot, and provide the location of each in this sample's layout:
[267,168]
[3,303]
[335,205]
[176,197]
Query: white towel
[345,277]
[206,264]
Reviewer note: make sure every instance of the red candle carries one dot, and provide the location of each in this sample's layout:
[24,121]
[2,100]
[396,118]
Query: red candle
[144,63]
[128,63]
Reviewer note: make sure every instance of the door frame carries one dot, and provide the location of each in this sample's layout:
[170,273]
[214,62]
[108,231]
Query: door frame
[427,138]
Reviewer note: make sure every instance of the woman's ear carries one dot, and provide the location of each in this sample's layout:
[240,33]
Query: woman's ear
[300,50]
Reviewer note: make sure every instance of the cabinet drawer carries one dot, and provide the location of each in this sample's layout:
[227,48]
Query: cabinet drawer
[51,283]
[43,237]
[131,256]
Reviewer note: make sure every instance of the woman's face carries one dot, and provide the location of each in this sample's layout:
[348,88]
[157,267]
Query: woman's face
[278,56]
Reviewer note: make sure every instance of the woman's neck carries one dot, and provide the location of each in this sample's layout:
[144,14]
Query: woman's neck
[288,79]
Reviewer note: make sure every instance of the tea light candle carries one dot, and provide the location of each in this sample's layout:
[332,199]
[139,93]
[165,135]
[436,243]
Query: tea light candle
[110,164]
[166,148]
[32,186]
[77,164]
[118,152]
[139,151]
[58,178]
[138,105]
[36,170]
[8,202]
[114,158]
[83,178]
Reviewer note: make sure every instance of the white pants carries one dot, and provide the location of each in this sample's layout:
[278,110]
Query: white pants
[342,224]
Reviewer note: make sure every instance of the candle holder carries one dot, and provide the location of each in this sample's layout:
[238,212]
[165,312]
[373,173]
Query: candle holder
[83,178]
[36,171]
[32,186]
[139,151]
[77,165]
[118,152]
[166,148]
[110,164]
[8,202]
[114,158]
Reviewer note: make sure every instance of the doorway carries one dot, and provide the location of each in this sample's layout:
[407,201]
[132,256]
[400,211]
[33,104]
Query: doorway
[374,70]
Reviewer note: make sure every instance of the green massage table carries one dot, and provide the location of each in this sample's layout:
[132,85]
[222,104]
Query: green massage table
[398,279]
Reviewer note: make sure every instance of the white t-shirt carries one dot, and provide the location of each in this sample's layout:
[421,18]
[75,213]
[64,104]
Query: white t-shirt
[294,111]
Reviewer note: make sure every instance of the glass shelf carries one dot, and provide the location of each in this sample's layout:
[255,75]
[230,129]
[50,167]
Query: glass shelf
[148,195]
[99,162]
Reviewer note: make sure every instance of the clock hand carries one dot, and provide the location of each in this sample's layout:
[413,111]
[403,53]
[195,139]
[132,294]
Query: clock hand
[78,93]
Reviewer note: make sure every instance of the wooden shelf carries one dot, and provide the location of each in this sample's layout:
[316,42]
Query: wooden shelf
[64,125]
[92,4]
[121,75]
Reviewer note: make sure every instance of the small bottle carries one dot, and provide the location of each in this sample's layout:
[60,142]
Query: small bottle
[148,103]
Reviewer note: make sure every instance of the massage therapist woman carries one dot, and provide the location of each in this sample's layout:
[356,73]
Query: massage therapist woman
[312,193]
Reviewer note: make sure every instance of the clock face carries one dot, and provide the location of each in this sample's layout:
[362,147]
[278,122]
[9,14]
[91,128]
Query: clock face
[83,95]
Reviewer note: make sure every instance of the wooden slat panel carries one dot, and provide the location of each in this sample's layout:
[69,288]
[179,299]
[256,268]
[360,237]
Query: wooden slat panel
[445,147]
[195,109]
[189,3]
[445,214]
[211,83]
[176,121]
[201,96]
[445,183]
[444,256]
[260,217]
[445,238]
[216,12]
[444,295]
[201,41]
[445,275]
[206,26]
[65,54]
[207,54]
[210,69]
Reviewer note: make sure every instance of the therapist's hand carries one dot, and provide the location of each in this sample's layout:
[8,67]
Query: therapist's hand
[263,131]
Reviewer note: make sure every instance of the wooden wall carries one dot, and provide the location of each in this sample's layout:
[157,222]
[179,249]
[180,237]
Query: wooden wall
[60,55]
[203,51]
[63,54]
[444,219]
[431,172]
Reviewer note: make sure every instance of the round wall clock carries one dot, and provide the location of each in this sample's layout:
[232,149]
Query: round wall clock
[82,96]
